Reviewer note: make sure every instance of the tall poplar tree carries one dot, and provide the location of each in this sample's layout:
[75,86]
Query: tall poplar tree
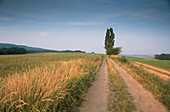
[109,41]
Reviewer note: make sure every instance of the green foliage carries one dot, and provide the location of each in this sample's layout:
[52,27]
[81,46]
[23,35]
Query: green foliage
[113,51]
[109,40]
[116,51]
[109,51]
[12,50]
[54,51]
[123,59]
[162,56]
[109,43]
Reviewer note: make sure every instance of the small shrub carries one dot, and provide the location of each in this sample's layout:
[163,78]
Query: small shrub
[123,59]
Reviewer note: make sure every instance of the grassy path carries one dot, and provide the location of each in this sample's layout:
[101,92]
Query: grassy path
[96,99]
[120,99]
[154,68]
[163,64]
[144,99]
[161,75]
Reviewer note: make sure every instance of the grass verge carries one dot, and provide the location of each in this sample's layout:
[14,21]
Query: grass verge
[159,88]
[120,99]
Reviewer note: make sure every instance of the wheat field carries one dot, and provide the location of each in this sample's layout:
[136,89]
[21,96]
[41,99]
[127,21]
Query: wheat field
[46,82]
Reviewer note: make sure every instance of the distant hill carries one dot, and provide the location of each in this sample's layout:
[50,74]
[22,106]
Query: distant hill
[36,49]
[6,45]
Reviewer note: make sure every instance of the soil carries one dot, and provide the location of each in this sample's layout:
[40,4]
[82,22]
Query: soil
[97,96]
[143,99]
[163,76]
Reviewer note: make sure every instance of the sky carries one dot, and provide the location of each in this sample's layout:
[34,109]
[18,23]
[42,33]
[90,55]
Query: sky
[140,26]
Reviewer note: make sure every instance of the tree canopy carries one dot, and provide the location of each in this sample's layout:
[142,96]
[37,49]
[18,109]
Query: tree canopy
[12,50]
[109,43]
[163,56]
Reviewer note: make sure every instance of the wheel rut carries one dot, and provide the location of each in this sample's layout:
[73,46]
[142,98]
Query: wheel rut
[97,96]
[143,99]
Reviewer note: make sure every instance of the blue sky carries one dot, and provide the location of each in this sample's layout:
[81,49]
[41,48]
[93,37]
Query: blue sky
[140,26]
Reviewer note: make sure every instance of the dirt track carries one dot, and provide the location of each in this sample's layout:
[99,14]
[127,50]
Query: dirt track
[144,99]
[96,99]
[153,67]
[163,76]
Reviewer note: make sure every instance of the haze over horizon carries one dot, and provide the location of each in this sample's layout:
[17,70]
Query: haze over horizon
[140,26]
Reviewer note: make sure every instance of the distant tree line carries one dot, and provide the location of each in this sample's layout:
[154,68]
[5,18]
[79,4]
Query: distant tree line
[55,51]
[18,50]
[162,56]
[12,50]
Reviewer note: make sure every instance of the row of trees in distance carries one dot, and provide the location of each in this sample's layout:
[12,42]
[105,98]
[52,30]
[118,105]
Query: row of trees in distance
[18,50]
[12,50]
[163,56]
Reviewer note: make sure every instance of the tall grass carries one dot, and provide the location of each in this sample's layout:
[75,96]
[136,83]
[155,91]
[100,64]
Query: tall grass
[120,99]
[58,86]
[159,88]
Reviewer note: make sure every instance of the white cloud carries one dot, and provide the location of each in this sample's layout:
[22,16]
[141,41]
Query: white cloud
[42,34]
[5,19]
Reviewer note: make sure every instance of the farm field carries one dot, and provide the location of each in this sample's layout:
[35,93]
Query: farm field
[11,64]
[60,81]
[165,64]
[46,82]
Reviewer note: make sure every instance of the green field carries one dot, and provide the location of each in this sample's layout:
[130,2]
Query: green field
[45,82]
[151,61]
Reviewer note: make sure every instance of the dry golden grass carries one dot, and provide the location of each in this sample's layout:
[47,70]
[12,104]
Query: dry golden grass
[10,64]
[113,56]
[58,86]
